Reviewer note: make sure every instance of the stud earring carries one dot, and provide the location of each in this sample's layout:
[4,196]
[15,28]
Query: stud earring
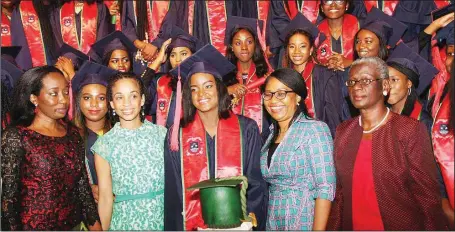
[113,112]
[36,109]
[384,92]
[142,111]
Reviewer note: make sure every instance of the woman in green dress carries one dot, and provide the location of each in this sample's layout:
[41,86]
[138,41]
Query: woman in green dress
[129,162]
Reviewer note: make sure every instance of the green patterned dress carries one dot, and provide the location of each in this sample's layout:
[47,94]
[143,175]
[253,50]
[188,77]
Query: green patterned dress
[137,168]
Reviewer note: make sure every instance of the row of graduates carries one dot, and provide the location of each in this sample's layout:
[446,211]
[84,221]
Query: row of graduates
[162,105]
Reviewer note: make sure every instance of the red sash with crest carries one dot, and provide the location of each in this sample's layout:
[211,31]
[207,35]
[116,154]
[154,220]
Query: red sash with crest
[156,11]
[388,6]
[309,8]
[251,104]
[118,24]
[417,111]
[350,28]
[195,164]
[89,21]
[307,75]
[443,146]
[217,19]
[164,96]
[6,31]
[32,30]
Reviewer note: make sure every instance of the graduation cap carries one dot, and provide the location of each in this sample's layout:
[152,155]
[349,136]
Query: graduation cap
[403,57]
[10,53]
[91,73]
[10,74]
[115,40]
[234,22]
[220,202]
[76,56]
[207,60]
[384,26]
[301,22]
[182,39]
[446,34]
[438,13]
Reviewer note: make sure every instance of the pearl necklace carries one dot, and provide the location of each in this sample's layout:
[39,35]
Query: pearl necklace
[374,128]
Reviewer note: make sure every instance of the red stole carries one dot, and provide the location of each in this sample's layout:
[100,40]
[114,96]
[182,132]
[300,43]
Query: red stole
[118,24]
[443,146]
[441,3]
[440,80]
[251,104]
[195,164]
[6,31]
[388,6]
[164,96]
[217,18]
[307,75]
[309,8]
[417,111]
[263,12]
[350,28]
[89,21]
[156,11]
[32,30]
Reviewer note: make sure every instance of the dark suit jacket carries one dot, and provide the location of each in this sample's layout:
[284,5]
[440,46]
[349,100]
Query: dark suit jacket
[404,175]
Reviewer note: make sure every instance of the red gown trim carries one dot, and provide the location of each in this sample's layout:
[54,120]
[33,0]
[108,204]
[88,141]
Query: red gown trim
[441,3]
[307,75]
[365,208]
[388,6]
[443,146]
[156,11]
[417,111]
[350,28]
[309,9]
[251,103]
[32,30]
[6,31]
[195,162]
[89,21]
[164,96]
[118,24]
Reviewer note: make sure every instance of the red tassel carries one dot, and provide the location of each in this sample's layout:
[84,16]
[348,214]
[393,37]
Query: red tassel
[178,112]
[261,39]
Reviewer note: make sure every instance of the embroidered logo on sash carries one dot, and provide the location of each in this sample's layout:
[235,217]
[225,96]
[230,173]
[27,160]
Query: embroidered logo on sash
[5,30]
[162,104]
[443,129]
[195,146]
[31,19]
[323,50]
[67,21]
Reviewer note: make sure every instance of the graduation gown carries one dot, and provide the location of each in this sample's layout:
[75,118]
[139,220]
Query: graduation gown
[102,26]
[173,203]
[89,156]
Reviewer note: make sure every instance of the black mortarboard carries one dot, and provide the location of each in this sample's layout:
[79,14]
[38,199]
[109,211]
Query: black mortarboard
[405,57]
[76,56]
[384,26]
[234,22]
[91,73]
[446,34]
[207,60]
[113,41]
[10,53]
[301,22]
[438,13]
[182,39]
[10,74]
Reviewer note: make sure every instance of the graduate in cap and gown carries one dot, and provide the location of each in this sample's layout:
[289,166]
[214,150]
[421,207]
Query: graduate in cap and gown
[91,116]
[10,74]
[7,10]
[80,23]
[324,101]
[115,51]
[245,50]
[211,142]
[32,30]
[161,86]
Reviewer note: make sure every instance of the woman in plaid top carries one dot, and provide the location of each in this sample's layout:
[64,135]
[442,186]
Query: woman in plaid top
[297,159]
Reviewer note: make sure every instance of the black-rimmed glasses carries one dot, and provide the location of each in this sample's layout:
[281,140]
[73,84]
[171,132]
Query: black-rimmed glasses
[363,82]
[280,95]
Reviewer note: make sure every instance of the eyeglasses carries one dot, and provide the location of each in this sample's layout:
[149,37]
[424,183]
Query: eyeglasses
[329,2]
[280,95]
[363,82]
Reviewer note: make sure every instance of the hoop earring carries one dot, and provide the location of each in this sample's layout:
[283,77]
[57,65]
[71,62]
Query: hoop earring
[409,91]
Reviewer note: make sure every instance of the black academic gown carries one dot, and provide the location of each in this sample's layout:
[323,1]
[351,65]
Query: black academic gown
[90,140]
[173,206]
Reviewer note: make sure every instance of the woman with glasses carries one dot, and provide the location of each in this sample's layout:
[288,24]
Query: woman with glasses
[386,174]
[340,28]
[296,160]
